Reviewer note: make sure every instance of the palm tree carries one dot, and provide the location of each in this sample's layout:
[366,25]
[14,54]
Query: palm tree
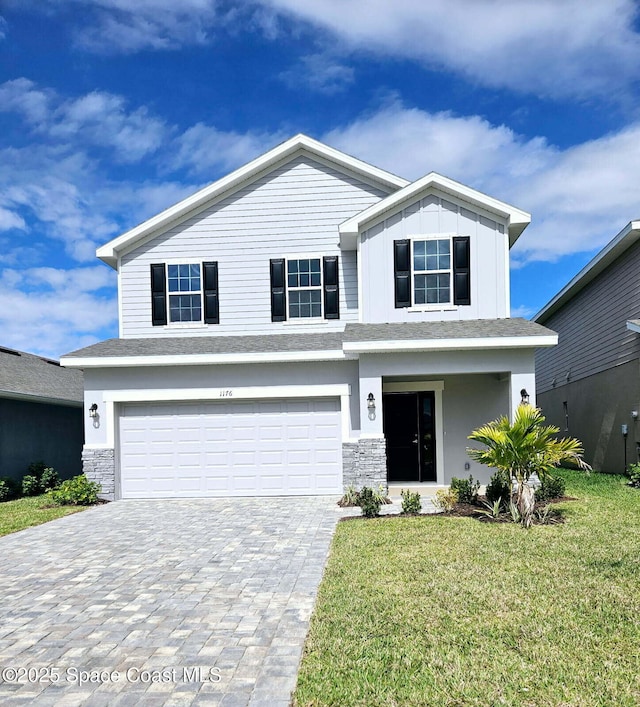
[522,448]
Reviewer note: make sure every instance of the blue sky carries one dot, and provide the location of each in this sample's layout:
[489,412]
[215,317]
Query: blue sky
[111,110]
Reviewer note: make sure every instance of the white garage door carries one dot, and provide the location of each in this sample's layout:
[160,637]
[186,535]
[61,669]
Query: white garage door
[252,448]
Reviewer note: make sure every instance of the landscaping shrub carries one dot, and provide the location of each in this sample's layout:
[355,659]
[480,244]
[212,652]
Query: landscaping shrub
[499,487]
[78,491]
[31,485]
[369,501]
[633,472]
[445,499]
[552,487]
[350,497]
[50,479]
[411,502]
[36,469]
[8,489]
[466,489]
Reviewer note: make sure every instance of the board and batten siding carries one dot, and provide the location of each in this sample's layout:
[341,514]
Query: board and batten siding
[293,210]
[435,214]
[591,326]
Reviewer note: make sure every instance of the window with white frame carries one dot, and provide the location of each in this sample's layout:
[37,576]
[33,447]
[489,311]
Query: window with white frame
[185,293]
[304,287]
[431,271]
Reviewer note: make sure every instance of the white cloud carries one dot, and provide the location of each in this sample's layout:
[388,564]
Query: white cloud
[123,26]
[58,309]
[568,48]
[204,149]
[10,220]
[579,197]
[24,97]
[97,119]
[319,72]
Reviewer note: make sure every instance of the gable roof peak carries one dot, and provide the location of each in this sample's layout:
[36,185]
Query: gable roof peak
[231,182]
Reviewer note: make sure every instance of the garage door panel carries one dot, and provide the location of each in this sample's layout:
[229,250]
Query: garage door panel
[272,447]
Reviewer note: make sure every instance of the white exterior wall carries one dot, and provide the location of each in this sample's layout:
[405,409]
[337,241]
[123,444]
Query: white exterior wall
[187,379]
[293,210]
[437,214]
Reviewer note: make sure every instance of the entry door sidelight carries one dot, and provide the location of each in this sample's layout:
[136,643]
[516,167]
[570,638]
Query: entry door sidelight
[409,428]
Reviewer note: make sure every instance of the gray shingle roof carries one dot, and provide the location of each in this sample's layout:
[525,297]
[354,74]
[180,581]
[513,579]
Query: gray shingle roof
[184,346]
[328,341]
[471,329]
[26,375]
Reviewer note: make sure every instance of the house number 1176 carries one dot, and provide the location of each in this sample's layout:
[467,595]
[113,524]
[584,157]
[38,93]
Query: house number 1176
[226,393]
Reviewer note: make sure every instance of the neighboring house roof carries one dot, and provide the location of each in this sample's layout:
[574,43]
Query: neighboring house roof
[517,219]
[613,250]
[300,144]
[30,377]
[424,336]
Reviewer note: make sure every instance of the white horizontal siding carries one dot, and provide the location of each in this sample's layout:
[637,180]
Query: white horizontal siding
[293,210]
[591,327]
[432,215]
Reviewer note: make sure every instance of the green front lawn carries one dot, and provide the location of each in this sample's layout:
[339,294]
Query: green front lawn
[25,512]
[453,611]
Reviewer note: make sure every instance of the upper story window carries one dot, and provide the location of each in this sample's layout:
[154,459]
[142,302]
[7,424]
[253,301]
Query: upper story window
[304,288]
[432,271]
[185,280]
[191,290]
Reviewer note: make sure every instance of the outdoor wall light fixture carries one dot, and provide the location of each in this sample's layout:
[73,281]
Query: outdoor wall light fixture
[93,414]
[524,397]
[371,406]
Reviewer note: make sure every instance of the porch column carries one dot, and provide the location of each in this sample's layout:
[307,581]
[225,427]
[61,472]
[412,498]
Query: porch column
[518,382]
[371,420]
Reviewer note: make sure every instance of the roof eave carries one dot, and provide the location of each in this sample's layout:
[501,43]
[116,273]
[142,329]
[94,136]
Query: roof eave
[201,359]
[454,344]
[618,245]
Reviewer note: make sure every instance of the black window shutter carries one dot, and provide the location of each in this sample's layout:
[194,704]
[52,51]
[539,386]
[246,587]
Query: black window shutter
[331,288]
[461,270]
[158,295]
[402,272]
[278,292]
[211,299]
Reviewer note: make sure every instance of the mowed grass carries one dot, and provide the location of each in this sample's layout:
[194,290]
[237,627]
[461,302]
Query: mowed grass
[453,611]
[25,512]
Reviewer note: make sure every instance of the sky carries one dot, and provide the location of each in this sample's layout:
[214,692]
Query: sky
[112,110]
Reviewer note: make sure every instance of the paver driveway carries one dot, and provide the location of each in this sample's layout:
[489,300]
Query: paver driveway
[162,602]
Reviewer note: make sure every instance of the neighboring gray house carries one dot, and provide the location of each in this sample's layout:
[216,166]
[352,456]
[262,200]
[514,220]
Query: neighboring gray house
[307,322]
[589,385]
[40,415]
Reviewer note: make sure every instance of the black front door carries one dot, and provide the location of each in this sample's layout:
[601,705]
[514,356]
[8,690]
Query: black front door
[409,428]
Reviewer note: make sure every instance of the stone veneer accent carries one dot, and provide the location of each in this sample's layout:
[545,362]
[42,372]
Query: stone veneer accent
[99,465]
[364,463]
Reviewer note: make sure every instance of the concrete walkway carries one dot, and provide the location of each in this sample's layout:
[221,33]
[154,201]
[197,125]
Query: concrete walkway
[195,602]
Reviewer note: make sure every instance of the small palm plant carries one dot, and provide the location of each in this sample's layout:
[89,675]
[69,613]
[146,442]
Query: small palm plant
[522,448]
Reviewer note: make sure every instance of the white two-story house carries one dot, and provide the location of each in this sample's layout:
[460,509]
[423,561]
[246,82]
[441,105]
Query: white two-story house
[306,323]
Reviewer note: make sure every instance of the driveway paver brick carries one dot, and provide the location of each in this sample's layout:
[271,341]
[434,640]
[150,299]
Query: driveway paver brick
[180,602]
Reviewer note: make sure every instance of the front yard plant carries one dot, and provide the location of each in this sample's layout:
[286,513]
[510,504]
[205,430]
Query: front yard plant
[633,472]
[370,502]
[524,448]
[466,489]
[411,502]
[464,613]
[78,491]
